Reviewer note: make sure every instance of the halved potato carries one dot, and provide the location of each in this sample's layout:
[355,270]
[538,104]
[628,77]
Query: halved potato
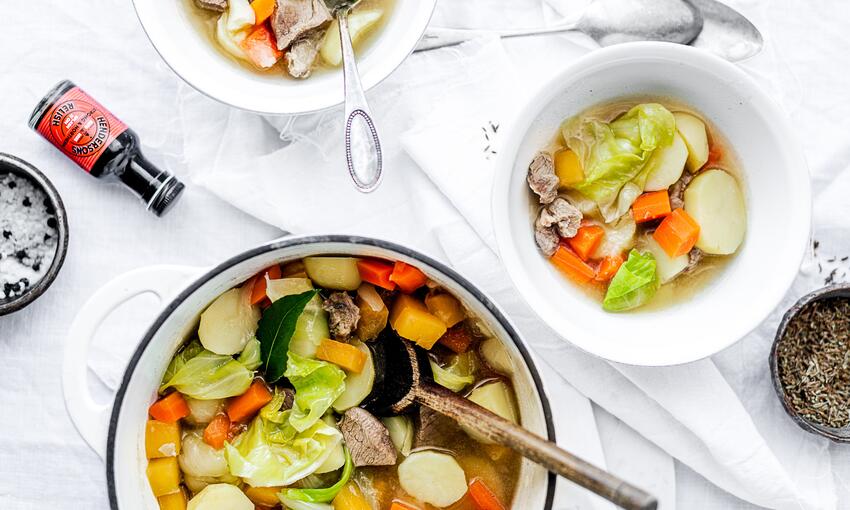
[695,135]
[666,267]
[714,200]
[359,24]
[336,273]
[666,165]
[229,322]
[432,477]
[221,496]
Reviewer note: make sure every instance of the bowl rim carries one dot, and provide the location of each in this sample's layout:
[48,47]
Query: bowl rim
[17,165]
[547,92]
[300,240]
[299,108]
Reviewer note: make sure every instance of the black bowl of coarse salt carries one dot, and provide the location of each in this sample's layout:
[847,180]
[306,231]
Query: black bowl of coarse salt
[810,362]
[33,233]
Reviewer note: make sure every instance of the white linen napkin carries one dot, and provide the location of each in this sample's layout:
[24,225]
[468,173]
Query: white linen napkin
[439,116]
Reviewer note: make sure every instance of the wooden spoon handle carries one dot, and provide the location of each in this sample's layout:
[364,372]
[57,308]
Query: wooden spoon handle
[533,447]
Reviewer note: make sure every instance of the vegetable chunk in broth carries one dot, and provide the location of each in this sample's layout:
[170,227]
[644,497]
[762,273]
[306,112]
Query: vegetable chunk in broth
[640,202]
[293,38]
[268,402]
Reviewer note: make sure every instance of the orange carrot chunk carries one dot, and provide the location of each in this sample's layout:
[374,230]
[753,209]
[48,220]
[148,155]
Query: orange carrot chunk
[575,268]
[217,431]
[651,206]
[407,277]
[586,240]
[376,272]
[345,355]
[263,10]
[261,47]
[258,294]
[608,268]
[247,404]
[677,234]
[169,408]
[483,497]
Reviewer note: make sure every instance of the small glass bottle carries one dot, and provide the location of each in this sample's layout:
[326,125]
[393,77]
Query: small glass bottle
[102,145]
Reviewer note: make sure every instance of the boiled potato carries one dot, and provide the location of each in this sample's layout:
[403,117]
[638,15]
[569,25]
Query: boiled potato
[695,136]
[221,496]
[666,267]
[666,165]
[714,200]
[359,24]
[496,397]
[336,273]
[357,386]
[433,477]
[229,322]
[496,356]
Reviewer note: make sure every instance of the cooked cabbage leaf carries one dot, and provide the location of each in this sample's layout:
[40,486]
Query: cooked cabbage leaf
[250,356]
[613,154]
[204,375]
[317,384]
[634,284]
[324,495]
[456,375]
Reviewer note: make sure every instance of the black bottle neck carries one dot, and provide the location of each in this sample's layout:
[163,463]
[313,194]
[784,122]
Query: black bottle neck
[157,188]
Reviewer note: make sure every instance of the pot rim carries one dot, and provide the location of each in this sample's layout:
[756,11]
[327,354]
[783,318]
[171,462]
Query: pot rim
[300,240]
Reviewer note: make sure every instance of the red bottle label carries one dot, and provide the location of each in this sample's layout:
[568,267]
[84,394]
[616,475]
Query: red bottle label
[80,127]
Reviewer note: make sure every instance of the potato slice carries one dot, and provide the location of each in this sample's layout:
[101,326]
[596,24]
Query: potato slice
[221,496]
[359,24]
[432,477]
[666,165]
[695,135]
[497,397]
[229,322]
[336,273]
[714,200]
[666,267]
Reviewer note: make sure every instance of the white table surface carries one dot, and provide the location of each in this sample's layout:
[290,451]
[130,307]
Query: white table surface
[45,41]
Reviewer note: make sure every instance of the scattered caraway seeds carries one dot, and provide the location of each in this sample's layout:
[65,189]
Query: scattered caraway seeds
[813,358]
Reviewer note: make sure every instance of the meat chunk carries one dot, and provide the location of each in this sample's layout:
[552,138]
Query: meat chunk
[367,439]
[554,221]
[677,190]
[343,314]
[695,256]
[294,18]
[542,179]
[302,55]
[433,429]
[212,5]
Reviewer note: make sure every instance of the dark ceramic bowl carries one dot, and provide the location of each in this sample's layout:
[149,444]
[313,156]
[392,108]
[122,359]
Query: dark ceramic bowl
[11,164]
[841,435]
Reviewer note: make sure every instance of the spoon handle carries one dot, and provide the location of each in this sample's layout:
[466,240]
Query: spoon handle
[363,155]
[533,447]
[437,37]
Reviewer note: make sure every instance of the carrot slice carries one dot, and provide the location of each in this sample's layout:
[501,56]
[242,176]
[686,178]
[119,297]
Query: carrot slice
[483,497]
[400,505]
[345,355]
[247,404]
[651,206]
[261,47]
[586,240]
[457,338]
[169,408]
[407,277]
[575,268]
[263,10]
[376,272]
[217,431]
[677,234]
[608,268]
[258,294]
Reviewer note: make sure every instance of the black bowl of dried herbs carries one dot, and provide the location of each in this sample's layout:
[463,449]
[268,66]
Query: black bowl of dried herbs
[810,362]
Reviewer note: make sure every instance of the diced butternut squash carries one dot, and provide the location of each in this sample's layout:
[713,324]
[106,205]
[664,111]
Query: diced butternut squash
[568,168]
[446,307]
[412,320]
[373,313]
[176,501]
[164,476]
[162,439]
[346,356]
[263,496]
[351,498]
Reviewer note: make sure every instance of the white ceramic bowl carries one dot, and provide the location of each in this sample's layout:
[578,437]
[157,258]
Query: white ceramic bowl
[116,432]
[777,192]
[191,54]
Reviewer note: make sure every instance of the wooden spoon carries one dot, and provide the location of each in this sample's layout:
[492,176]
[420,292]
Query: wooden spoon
[408,382]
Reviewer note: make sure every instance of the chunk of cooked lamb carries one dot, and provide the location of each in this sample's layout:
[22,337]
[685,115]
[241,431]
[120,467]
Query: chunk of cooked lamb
[554,221]
[677,190]
[212,5]
[367,439]
[302,55]
[695,256]
[542,179]
[343,314]
[294,18]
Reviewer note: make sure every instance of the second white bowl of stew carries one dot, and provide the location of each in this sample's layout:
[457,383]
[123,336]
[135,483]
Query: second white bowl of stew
[652,204]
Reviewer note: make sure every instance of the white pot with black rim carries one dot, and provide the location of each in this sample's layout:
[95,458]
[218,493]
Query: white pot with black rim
[117,431]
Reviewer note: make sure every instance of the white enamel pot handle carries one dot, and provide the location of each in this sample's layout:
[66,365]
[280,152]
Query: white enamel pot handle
[90,417]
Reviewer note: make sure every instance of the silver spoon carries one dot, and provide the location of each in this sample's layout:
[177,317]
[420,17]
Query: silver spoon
[606,21]
[363,155]
[726,32]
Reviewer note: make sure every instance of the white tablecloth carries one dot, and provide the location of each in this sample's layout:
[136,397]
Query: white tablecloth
[44,463]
